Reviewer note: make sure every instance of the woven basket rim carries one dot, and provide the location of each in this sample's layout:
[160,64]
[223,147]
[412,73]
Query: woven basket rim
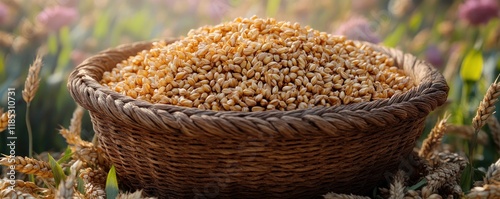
[88,92]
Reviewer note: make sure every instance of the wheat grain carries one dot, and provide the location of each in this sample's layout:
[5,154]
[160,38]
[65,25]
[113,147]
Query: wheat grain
[4,120]
[433,140]
[343,196]
[485,192]
[22,188]
[28,166]
[487,106]
[397,188]
[467,132]
[494,126]
[261,58]
[33,80]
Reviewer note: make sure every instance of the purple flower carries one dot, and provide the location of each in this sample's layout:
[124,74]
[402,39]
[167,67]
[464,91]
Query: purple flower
[434,56]
[358,28]
[4,12]
[56,17]
[478,12]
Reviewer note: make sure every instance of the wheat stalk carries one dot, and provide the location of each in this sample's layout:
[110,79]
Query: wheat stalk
[343,196]
[487,105]
[494,126]
[433,140]
[22,188]
[397,188]
[28,166]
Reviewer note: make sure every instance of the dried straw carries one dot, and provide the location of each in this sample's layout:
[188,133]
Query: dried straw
[487,106]
[28,166]
[433,140]
[32,81]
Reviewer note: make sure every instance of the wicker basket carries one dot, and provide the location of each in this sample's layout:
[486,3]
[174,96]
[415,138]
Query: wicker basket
[177,152]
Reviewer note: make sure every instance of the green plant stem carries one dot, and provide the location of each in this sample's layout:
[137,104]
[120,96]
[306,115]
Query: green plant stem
[30,137]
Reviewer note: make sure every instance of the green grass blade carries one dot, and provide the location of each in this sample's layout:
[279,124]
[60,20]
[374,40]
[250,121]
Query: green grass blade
[112,189]
[56,170]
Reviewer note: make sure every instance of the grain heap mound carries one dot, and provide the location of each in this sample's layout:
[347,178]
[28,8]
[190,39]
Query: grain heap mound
[258,64]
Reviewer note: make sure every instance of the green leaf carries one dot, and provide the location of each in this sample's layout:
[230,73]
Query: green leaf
[56,170]
[472,66]
[112,189]
[418,185]
[272,7]
[80,185]
[66,156]
[393,39]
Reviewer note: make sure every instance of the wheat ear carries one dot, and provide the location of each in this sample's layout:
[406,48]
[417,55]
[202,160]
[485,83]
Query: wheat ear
[397,188]
[135,195]
[433,140]
[4,120]
[487,106]
[72,135]
[67,187]
[28,165]
[487,191]
[33,80]
[95,181]
[444,173]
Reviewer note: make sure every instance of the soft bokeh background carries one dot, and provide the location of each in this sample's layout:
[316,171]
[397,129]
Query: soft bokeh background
[460,38]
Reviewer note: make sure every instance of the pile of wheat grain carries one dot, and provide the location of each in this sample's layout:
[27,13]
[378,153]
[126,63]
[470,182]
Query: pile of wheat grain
[258,64]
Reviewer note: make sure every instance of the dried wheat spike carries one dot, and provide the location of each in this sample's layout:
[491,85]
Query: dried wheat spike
[90,155]
[433,140]
[136,195]
[95,181]
[13,193]
[23,188]
[4,120]
[434,196]
[445,172]
[452,158]
[485,192]
[493,174]
[67,187]
[494,126]
[397,188]
[72,135]
[412,194]
[487,106]
[343,196]
[467,133]
[32,81]
[28,165]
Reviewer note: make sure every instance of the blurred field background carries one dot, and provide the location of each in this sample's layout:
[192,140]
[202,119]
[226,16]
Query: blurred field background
[459,38]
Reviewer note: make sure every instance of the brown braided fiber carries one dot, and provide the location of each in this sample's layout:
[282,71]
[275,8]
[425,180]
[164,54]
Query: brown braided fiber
[178,152]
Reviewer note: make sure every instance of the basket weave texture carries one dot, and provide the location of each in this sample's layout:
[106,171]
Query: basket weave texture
[178,152]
